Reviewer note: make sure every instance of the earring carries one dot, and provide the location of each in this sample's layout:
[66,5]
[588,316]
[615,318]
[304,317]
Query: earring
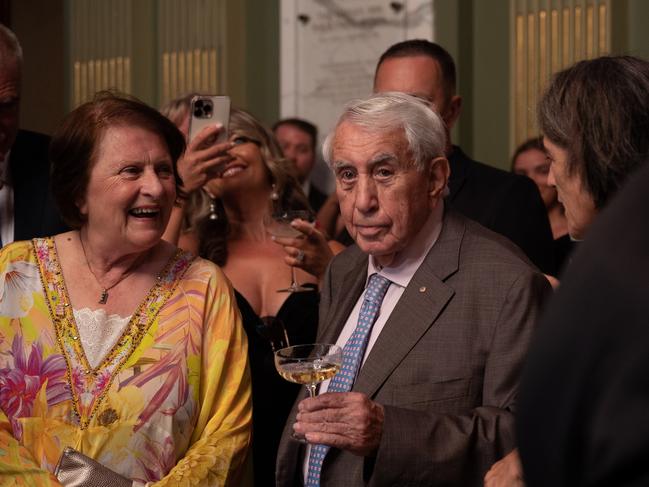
[274,195]
[213,214]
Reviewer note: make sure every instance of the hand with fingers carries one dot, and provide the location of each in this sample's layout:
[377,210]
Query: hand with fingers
[203,159]
[345,420]
[507,472]
[310,252]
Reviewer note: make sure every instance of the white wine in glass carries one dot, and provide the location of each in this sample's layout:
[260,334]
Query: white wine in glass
[279,225]
[308,373]
[309,364]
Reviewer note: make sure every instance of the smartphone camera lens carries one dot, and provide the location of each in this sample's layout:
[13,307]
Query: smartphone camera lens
[203,108]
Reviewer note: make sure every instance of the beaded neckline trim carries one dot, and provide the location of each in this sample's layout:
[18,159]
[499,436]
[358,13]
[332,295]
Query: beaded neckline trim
[88,385]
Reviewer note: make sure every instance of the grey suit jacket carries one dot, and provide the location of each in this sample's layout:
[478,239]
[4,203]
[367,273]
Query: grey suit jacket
[445,366]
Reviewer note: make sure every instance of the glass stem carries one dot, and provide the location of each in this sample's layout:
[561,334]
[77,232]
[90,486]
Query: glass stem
[294,284]
[311,389]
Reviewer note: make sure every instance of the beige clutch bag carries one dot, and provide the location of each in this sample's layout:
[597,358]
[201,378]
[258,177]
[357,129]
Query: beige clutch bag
[77,470]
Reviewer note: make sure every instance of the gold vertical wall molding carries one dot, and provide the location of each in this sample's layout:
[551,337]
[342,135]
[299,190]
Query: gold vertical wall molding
[520,81]
[191,33]
[590,32]
[100,47]
[555,42]
[603,31]
[543,45]
[567,40]
[578,35]
[547,36]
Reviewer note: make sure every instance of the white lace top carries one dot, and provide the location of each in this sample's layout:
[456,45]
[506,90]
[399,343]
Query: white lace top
[98,332]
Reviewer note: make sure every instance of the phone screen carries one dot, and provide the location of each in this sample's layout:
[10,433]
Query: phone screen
[208,110]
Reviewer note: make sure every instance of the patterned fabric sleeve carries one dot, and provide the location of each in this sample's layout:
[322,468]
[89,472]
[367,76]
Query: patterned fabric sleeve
[220,441]
[17,465]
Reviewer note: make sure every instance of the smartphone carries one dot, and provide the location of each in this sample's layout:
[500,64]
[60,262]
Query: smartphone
[208,110]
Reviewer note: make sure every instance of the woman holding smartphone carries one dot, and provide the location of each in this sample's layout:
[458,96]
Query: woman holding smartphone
[233,188]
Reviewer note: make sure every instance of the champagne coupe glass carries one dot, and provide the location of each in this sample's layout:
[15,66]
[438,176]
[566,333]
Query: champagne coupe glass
[309,364]
[279,225]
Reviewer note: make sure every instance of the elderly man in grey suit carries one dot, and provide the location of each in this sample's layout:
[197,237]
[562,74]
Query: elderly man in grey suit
[434,313]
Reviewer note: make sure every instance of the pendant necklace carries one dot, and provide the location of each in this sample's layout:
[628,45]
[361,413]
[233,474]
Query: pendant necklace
[103,297]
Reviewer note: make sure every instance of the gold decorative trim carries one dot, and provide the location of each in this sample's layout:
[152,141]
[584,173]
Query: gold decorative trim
[82,378]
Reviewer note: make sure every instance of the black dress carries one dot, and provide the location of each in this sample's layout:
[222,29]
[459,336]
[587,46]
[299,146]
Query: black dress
[563,247]
[272,396]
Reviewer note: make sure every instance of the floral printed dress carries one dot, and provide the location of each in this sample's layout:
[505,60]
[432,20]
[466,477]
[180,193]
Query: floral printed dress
[169,404]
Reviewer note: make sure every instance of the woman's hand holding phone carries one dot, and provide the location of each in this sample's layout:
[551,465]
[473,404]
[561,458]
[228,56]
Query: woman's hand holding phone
[203,159]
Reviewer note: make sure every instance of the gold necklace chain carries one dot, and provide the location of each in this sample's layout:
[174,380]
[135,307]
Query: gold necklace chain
[103,297]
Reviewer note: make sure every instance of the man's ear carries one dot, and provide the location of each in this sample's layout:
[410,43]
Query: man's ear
[439,174]
[452,112]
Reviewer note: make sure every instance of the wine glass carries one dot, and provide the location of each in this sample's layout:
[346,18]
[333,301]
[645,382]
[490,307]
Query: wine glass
[309,364]
[279,225]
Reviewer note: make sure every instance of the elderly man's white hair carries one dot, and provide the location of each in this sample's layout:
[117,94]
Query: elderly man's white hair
[10,49]
[386,112]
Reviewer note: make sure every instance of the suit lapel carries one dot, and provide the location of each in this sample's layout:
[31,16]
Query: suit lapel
[417,310]
[343,301]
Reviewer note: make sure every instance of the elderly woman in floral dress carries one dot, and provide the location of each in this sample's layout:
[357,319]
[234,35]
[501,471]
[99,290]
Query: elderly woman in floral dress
[113,341]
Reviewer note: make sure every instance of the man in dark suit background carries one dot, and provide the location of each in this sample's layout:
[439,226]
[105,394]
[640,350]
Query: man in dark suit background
[430,394]
[26,207]
[503,202]
[298,139]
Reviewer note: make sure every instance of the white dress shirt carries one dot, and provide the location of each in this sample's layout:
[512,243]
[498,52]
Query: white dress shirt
[6,202]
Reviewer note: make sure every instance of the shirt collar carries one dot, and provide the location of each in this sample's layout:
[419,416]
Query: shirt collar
[410,258]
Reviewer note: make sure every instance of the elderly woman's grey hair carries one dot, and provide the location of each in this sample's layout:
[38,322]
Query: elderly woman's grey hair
[386,112]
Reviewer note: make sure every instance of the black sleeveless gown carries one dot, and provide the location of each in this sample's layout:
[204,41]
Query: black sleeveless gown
[272,396]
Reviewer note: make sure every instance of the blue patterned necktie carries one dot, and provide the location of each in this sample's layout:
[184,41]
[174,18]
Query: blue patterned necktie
[352,357]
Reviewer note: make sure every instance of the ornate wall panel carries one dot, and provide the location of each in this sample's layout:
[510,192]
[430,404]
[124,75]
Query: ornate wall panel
[155,49]
[191,44]
[549,35]
[100,47]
